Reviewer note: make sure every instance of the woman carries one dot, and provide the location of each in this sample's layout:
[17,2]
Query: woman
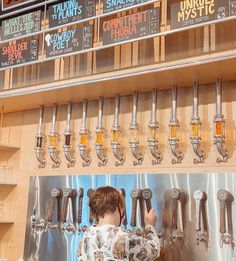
[106,241]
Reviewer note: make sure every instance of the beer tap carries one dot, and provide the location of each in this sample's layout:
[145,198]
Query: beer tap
[69,195]
[84,135]
[225,198]
[147,196]
[141,195]
[219,123]
[176,215]
[68,138]
[39,148]
[53,140]
[195,125]
[134,132]
[174,128]
[34,218]
[134,194]
[201,219]
[153,128]
[116,135]
[99,146]
[55,201]
[80,207]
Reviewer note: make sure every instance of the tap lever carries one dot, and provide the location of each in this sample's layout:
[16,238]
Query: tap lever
[134,194]
[80,208]
[225,198]
[201,219]
[147,196]
[176,215]
[69,196]
[55,202]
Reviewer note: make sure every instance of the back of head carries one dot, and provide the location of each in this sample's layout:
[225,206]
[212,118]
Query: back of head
[105,200]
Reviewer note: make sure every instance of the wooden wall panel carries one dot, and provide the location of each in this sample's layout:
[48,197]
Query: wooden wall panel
[21,127]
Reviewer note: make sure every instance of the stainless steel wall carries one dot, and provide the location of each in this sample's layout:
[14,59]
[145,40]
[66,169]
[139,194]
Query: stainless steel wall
[55,245]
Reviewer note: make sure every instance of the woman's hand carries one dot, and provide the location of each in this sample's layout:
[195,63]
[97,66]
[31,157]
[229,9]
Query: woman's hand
[150,218]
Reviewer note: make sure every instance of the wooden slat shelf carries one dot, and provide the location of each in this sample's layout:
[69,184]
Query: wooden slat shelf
[6,222]
[9,146]
[8,183]
[205,69]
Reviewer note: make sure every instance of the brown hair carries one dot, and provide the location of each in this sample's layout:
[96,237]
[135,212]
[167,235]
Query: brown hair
[105,200]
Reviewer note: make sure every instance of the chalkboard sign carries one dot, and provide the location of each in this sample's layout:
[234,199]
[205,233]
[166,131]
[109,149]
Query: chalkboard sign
[70,11]
[9,4]
[113,5]
[72,40]
[232,7]
[21,25]
[187,13]
[131,26]
[18,53]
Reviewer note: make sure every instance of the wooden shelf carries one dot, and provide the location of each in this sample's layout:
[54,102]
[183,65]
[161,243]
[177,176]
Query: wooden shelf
[9,146]
[6,222]
[8,183]
[205,69]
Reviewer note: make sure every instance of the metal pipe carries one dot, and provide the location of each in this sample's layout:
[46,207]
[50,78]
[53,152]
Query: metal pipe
[154,106]
[69,110]
[219,119]
[177,153]
[53,151]
[40,125]
[117,110]
[99,131]
[83,148]
[100,113]
[195,100]
[218,97]
[198,151]
[153,127]
[39,150]
[196,138]
[54,116]
[157,155]
[101,155]
[115,128]
[134,126]
[84,115]
[68,138]
[174,104]
[174,141]
[134,111]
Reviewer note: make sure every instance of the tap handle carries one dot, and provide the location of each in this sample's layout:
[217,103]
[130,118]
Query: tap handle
[80,195]
[66,194]
[147,196]
[199,197]
[141,205]
[134,194]
[222,196]
[175,196]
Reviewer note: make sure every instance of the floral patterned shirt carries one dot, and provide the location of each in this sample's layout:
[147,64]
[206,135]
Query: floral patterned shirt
[110,243]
